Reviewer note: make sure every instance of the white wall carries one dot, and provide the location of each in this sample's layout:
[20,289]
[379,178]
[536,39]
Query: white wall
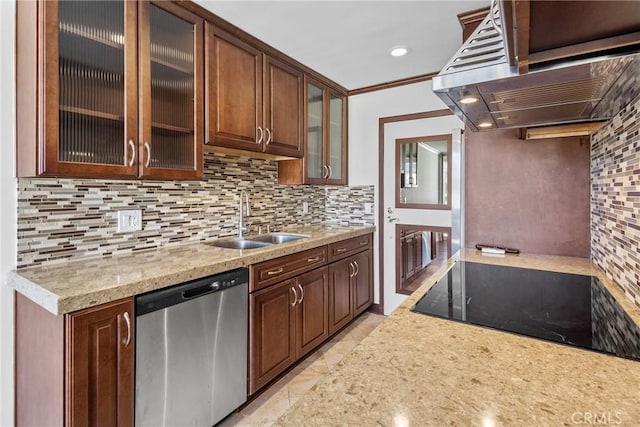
[365,110]
[8,198]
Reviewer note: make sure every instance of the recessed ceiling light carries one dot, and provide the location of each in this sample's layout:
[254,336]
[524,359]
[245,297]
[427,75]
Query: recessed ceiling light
[469,100]
[399,51]
[485,124]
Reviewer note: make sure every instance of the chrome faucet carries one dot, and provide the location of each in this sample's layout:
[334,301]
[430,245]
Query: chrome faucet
[241,226]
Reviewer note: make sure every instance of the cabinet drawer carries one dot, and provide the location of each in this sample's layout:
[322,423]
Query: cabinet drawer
[269,272]
[348,247]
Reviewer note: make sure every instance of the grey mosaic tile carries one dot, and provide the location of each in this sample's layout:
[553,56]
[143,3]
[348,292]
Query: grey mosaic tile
[615,199]
[61,219]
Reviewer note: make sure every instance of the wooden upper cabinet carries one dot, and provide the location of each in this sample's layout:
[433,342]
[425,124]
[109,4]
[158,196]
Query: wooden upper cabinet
[254,101]
[109,89]
[282,109]
[325,127]
[171,91]
[234,92]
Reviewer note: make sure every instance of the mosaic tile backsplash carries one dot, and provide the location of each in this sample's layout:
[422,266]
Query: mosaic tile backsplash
[615,199]
[61,219]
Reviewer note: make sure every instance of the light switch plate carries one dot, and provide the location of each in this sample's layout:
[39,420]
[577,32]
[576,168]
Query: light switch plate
[368,208]
[305,207]
[129,220]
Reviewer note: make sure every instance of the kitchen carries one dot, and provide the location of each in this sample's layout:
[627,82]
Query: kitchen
[355,176]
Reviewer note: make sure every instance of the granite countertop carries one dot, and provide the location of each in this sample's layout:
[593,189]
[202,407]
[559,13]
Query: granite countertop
[74,285]
[417,370]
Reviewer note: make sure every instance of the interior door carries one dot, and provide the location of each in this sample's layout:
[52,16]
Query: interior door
[422,217]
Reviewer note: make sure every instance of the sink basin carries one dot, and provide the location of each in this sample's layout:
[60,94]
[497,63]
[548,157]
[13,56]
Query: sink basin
[277,238]
[239,244]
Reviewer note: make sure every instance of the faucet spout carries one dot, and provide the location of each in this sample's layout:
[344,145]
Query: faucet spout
[246,211]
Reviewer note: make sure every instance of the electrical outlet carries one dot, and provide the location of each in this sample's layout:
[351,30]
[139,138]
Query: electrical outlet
[368,208]
[305,207]
[129,220]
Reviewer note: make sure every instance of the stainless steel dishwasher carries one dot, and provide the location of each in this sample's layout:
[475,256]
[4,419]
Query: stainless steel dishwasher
[191,351]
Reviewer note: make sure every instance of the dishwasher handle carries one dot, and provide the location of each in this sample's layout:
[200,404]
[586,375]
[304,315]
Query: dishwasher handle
[202,290]
[166,297]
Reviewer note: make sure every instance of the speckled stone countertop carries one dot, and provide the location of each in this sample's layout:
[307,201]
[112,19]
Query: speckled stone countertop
[417,370]
[74,285]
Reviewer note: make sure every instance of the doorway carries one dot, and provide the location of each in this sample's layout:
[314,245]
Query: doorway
[445,212]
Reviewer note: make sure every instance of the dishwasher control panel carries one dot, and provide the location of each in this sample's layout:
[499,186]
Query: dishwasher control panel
[163,298]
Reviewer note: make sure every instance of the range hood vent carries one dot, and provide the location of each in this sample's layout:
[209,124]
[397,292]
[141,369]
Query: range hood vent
[572,91]
[485,47]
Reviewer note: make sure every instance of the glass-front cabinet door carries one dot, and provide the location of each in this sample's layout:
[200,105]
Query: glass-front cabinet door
[325,155]
[316,167]
[337,139]
[171,92]
[122,85]
[91,98]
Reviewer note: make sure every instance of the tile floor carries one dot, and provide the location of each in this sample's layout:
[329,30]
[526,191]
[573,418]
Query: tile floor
[274,402]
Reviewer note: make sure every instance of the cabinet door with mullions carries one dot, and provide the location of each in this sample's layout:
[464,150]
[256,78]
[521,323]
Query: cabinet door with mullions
[91,102]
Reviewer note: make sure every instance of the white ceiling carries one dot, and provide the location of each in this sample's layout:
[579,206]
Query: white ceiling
[348,41]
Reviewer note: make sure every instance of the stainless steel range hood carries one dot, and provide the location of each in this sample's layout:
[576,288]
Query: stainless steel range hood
[482,85]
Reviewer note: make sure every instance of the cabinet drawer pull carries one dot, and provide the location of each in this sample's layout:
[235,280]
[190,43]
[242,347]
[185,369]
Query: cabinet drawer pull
[352,270]
[330,171]
[355,263]
[341,250]
[147,147]
[259,141]
[133,153]
[268,135]
[364,242]
[278,271]
[295,296]
[325,172]
[301,293]
[127,320]
[314,259]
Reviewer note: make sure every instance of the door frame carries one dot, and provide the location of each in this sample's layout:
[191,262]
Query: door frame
[398,243]
[382,121]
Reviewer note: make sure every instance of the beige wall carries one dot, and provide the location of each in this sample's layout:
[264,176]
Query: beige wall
[529,195]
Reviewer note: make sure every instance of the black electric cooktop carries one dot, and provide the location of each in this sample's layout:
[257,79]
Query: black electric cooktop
[565,308]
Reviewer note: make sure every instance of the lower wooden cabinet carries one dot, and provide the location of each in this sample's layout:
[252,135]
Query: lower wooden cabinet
[287,320]
[362,282]
[411,254]
[100,375]
[350,288]
[75,369]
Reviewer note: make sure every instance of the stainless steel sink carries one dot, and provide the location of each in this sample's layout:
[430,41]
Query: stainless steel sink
[239,244]
[277,238]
